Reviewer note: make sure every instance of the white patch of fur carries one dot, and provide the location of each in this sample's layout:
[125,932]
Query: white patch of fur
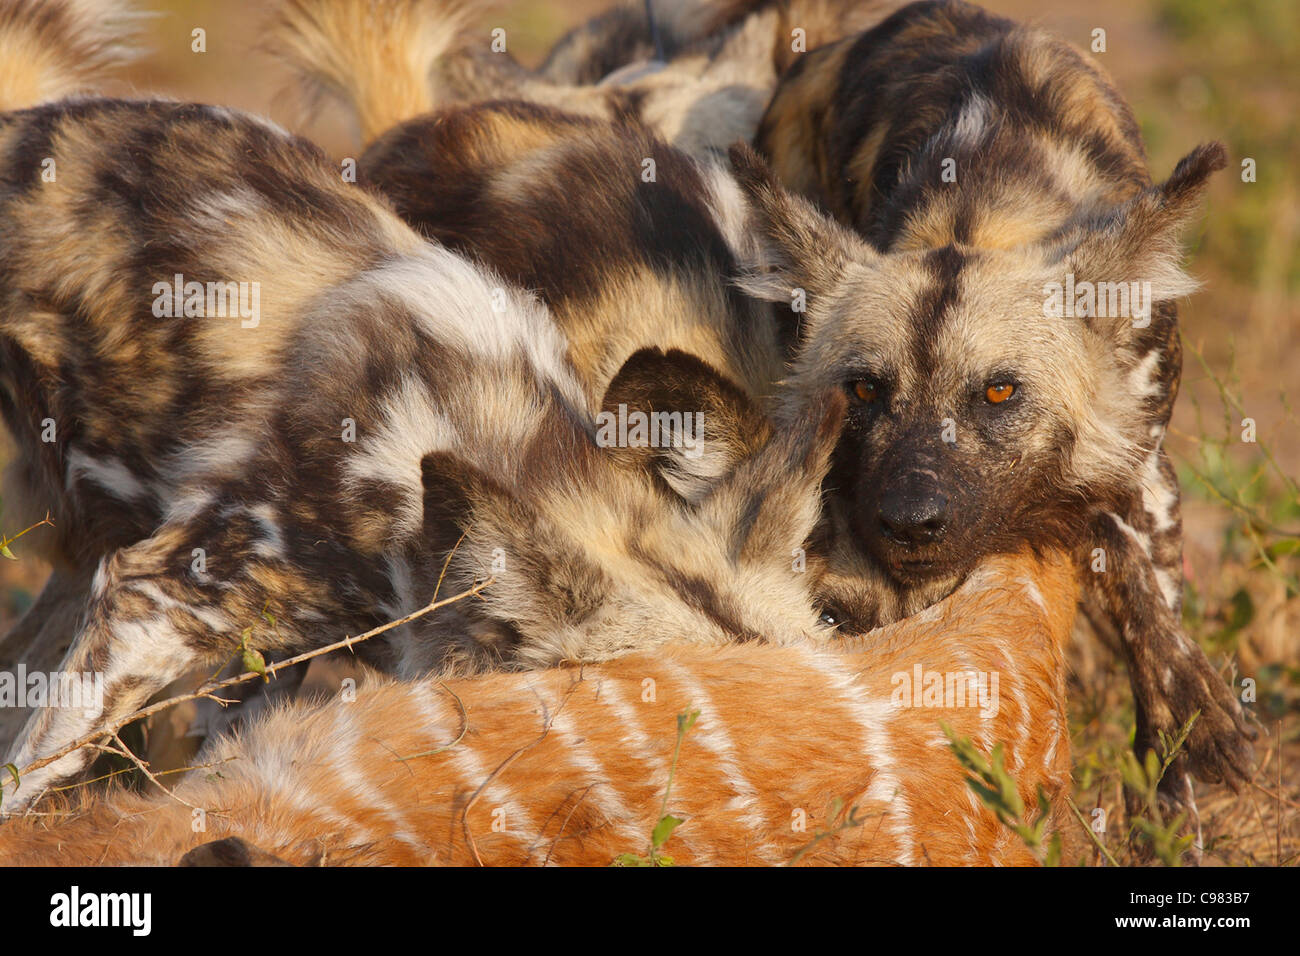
[58,725]
[1158,498]
[189,506]
[1031,591]
[695,478]
[99,583]
[873,717]
[271,544]
[712,734]
[927,615]
[981,578]
[453,300]
[109,473]
[1132,532]
[1142,378]
[971,121]
[145,647]
[1171,586]
[210,617]
[413,427]
[1014,686]
[1053,735]
[241,203]
[226,452]
[730,209]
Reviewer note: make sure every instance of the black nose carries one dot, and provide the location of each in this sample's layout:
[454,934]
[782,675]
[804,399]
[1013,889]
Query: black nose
[914,514]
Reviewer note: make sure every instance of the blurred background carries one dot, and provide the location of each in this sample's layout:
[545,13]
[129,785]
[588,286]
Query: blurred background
[1193,70]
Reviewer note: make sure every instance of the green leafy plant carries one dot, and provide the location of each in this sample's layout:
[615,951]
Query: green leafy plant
[667,822]
[996,789]
[851,820]
[1164,838]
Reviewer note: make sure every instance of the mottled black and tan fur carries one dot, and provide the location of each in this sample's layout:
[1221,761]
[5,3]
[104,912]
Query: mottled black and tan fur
[937,299]
[388,405]
[701,87]
[1047,175]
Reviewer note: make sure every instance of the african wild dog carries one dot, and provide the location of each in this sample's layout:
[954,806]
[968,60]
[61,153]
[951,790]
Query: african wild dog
[701,87]
[558,204]
[387,410]
[47,51]
[780,730]
[1024,427]
[989,165]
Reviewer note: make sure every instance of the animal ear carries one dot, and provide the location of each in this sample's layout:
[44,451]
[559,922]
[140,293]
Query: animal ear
[232,851]
[1138,241]
[799,248]
[448,486]
[773,498]
[454,490]
[686,419]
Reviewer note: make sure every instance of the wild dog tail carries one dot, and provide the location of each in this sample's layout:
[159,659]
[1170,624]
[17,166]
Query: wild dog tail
[50,49]
[633,31]
[377,57]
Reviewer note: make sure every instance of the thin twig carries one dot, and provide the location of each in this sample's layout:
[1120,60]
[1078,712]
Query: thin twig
[143,767]
[563,826]
[207,690]
[1087,829]
[501,767]
[464,728]
[5,540]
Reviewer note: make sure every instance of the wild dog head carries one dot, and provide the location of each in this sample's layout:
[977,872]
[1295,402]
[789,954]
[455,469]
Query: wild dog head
[612,539]
[981,413]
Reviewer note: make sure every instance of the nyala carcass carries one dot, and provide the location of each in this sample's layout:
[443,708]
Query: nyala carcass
[804,754]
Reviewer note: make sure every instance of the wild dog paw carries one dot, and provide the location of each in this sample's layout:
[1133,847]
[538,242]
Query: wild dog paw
[1219,747]
[21,795]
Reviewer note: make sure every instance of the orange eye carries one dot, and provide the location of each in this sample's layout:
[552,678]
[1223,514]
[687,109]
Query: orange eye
[866,391]
[997,394]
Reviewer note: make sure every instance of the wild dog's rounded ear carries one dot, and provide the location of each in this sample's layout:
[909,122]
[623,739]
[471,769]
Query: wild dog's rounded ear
[690,422]
[773,498]
[448,483]
[810,427]
[232,851]
[453,490]
[1132,254]
[799,249]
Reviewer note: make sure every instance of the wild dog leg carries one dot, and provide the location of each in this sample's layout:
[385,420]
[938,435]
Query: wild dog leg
[172,602]
[1170,675]
[40,638]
